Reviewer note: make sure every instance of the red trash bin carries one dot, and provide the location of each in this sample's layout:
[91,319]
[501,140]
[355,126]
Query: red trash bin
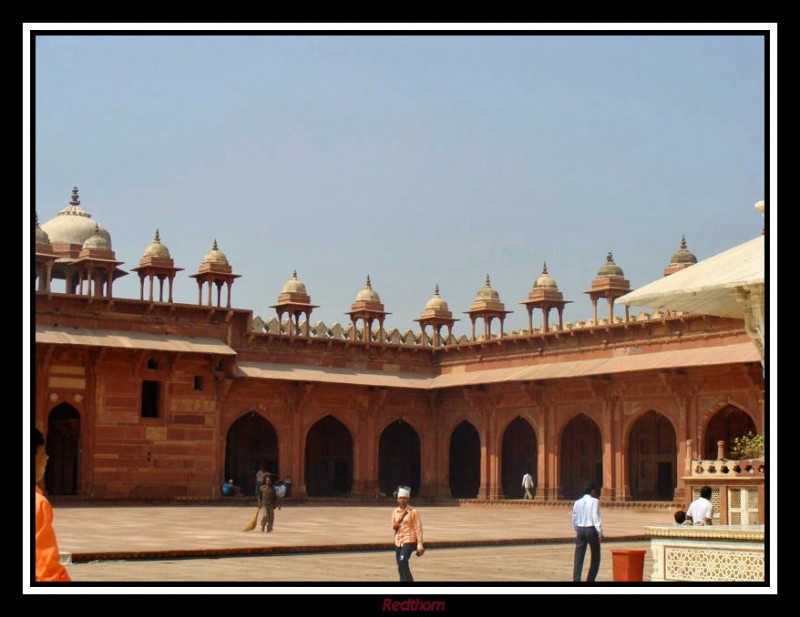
[627,565]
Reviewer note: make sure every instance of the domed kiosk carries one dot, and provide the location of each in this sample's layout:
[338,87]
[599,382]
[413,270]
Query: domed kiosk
[295,301]
[610,283]
[76,261]
[156,263]
[216,271]
[545,296]
[487,306]
[368,307]
[436,314]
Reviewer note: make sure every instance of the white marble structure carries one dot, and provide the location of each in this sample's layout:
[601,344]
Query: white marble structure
[727,553]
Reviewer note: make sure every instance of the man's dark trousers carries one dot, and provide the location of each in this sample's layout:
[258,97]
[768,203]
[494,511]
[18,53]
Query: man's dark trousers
[586,535]
[403,554]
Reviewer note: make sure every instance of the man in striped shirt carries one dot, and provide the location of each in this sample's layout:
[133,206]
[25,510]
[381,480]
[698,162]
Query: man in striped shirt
[407,527]
[589,530]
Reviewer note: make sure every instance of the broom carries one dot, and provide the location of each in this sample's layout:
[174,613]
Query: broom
[253,521]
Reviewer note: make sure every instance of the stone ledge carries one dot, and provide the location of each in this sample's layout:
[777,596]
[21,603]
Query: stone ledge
[327,548]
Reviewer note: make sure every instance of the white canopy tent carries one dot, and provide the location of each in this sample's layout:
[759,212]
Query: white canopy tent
[729,284]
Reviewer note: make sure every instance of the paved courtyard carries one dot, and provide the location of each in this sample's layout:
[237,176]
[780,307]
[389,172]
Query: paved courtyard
[339,545]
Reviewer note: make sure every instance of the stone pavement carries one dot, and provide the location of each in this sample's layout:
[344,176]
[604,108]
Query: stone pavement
[489,544]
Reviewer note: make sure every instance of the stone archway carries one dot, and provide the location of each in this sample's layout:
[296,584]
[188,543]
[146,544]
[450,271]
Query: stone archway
[580,457]
[652,458]
[64,449]
[520,456]
[399,458]
[251,444]
[329,459]
[465,461]
[726,425]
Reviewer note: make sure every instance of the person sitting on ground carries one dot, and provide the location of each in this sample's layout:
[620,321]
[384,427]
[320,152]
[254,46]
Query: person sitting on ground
[229,489]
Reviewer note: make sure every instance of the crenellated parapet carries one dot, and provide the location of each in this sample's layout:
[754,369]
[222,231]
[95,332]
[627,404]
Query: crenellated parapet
[411,338]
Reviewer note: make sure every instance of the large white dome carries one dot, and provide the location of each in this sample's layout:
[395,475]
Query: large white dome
[74,225]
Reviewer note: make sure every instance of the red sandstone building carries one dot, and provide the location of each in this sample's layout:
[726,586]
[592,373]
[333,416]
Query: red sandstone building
[148,397]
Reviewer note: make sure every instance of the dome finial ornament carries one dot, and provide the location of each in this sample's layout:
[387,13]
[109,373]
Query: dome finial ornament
[682,258]
[545,280]
[369,283]
[157,238]
[436,290]
[75,201]
[610,268]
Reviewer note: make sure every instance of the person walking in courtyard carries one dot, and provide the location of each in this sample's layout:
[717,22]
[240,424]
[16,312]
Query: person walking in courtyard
[589,531]
[701,510]
[267,499]
[48,564]
[527,484]
[407,527]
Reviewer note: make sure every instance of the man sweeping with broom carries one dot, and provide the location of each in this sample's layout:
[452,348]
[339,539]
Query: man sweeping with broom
[267,499]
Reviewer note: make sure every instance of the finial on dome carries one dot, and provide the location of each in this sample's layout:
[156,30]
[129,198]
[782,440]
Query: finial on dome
[436,290]
[157,238]
[488,282]
[610,258]
[544,268]
[369,283]
[215,247]
[683,242]
[75,201]
[294,274]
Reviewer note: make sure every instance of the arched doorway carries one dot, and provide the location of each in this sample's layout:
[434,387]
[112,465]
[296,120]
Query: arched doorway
[251,444]
[329,459]
[64,449]
[726,425]
[652,458]
[519,457]
[398,458]
[581,456]
[465,462]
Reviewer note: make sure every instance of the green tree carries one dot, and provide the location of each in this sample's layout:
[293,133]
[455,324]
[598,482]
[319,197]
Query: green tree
[749,446]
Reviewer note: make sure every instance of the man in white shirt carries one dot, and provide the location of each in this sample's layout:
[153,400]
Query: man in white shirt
[589,531]
[701,511]
[527,484]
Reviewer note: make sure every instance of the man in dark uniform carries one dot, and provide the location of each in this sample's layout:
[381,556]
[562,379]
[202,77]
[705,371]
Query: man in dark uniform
[267,499]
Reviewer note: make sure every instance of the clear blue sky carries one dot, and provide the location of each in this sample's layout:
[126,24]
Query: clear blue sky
[416,159]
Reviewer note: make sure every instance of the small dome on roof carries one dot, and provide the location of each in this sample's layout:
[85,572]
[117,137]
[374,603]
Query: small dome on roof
[486,293]
[215,256]
[683,256]
[41,234]
[72,225]
[437,303]
[156,249]
[293,285]
[545,280]
[368,294]
[609,268]
[97,241]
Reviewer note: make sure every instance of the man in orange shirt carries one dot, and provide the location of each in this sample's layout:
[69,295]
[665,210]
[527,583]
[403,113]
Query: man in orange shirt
[407,534]
[48,566]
